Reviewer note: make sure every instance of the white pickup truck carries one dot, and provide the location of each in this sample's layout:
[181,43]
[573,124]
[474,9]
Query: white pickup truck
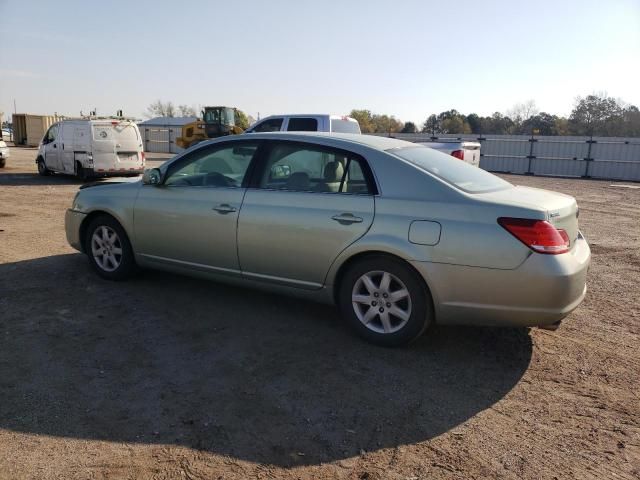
[466,151]
[306,123]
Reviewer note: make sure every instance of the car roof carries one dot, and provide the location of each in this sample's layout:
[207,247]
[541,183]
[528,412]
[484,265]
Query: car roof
[373,141]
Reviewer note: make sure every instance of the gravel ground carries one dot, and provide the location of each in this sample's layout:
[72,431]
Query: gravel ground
[171,377]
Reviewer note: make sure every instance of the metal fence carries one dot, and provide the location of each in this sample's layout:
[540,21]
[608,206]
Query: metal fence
[611,158]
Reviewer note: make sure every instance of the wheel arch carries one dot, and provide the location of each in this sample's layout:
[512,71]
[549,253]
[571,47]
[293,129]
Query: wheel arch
[358,256]
[89,218]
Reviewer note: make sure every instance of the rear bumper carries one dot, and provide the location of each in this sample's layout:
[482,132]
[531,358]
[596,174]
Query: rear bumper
[101,172]
[72,222]
[541,291]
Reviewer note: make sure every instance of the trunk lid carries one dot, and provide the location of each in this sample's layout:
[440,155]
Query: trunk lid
[561,210]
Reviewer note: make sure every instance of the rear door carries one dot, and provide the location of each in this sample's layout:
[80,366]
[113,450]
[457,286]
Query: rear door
[306,204]
[304,124]
[117,147]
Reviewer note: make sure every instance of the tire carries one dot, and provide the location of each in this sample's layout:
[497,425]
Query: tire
[42,167]
[365,301]
[2,162]
[111,258]
[81,173]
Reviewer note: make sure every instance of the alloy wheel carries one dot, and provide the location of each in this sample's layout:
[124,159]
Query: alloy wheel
[381,301]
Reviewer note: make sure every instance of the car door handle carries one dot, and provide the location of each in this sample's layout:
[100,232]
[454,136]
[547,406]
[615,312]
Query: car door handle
[224,208]
[346,218]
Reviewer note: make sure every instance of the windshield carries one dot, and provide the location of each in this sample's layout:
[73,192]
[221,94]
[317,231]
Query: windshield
[453,171]
[220,116]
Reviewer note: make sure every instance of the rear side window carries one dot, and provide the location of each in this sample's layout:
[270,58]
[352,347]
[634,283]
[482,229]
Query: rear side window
[271,125]
[120,131]
[344,126]
[309,168]
[302,125]
[461,175]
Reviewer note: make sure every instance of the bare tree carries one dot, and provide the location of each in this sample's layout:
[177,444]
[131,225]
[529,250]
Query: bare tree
[161,109]
[186,111]
[521,112]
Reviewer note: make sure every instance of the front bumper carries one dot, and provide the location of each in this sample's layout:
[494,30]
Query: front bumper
[72,221]
[541,291]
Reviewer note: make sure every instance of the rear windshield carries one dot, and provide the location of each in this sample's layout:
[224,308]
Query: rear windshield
[453,171]
[121,131]
[344,126]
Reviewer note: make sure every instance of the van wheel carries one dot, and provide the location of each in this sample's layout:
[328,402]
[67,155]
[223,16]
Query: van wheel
[385,301]
[81,173]
[109,250]
[2,162]
[42,167]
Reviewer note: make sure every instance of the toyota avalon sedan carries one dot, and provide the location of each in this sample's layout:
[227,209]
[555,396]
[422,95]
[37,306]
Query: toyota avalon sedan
[399,236]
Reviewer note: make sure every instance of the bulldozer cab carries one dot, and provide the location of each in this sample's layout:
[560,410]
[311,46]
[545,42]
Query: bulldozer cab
[218,121]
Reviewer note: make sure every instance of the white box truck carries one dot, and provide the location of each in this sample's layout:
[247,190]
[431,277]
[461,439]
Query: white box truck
[94,147]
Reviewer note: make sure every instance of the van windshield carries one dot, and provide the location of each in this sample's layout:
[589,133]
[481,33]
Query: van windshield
[460,174]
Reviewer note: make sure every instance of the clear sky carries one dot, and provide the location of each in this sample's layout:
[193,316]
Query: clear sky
[406,58]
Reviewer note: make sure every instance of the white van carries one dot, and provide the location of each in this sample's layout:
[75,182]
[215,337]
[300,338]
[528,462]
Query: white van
[306,123]
[92,148]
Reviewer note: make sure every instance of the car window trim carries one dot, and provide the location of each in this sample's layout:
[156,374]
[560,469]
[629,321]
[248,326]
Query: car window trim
[180,162]
[261,161]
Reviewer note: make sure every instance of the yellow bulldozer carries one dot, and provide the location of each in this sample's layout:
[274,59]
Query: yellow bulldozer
[215,122]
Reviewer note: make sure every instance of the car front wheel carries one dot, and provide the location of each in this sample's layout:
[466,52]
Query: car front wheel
[385,301]
[42,167]
[109,250]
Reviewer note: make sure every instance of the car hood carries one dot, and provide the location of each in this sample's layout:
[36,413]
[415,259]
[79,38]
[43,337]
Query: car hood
[109,182]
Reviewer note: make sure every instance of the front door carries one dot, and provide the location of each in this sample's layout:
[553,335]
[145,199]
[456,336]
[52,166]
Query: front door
[52,147]
[307,205]
[190,220]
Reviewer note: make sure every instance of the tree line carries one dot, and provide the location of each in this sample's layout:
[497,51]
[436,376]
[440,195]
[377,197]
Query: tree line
[596,114]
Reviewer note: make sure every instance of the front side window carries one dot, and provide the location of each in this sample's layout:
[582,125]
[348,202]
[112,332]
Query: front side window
[213,166]
[302,124]
[309,168]
[51,134]
[271,125]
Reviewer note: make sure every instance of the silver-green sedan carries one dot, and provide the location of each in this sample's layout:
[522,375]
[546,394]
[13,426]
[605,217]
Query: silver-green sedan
[398,235]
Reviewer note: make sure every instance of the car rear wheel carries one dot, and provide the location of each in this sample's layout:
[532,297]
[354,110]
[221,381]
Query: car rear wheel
[385,301]
[109,250]
[42,167]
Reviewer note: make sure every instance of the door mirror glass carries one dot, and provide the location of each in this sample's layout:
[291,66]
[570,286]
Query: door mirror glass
[152,176]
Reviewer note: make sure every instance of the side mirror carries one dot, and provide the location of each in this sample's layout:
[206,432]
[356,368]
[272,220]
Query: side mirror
[152,176]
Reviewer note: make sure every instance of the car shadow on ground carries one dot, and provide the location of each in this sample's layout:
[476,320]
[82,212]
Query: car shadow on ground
[172,360]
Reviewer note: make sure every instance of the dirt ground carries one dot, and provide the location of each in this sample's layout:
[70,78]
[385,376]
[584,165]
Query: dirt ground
[166,377]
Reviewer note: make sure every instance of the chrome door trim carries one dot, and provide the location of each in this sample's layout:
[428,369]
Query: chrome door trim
[283,281]
[192,265]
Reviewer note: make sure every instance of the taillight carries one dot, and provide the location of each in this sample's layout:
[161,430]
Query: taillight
[142,156]
[459,154]
[539,235]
